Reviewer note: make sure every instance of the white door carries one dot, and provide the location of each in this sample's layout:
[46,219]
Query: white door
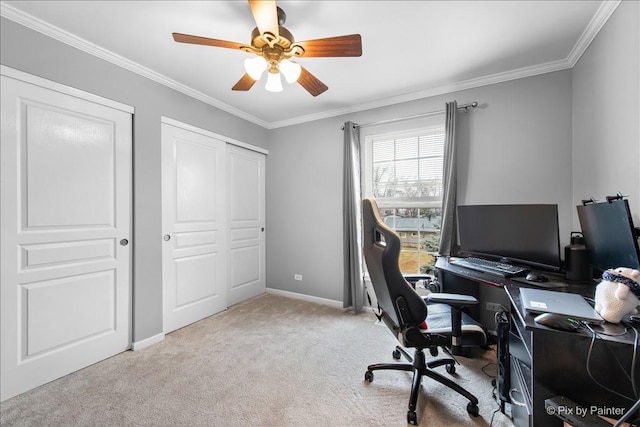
[194,226]
[66,225]
[246,185]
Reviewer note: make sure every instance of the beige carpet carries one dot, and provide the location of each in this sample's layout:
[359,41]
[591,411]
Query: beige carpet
[269,361]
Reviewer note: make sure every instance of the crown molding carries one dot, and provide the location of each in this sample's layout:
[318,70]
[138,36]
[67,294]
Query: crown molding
[440,90]
[63,36]
[603,13]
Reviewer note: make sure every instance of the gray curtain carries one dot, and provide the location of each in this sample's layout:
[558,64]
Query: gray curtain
[352,229]
[449,232]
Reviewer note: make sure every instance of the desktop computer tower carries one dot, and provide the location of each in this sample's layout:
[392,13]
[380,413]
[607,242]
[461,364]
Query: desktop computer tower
[503,381]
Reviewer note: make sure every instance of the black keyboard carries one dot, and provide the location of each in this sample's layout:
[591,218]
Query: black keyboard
[495,268]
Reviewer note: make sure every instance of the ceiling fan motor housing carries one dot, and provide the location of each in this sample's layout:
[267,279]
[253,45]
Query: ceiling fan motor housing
[274,49]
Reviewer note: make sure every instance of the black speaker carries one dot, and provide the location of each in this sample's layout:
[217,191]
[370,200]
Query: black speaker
[504,371]
[576,259]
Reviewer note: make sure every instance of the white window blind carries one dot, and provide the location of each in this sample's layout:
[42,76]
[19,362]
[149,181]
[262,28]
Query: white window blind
[406,169]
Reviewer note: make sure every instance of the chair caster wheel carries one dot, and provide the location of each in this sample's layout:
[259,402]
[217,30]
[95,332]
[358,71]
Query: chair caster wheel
[368,376]
[473,409]
[412,418]
[396,354]
[451,369]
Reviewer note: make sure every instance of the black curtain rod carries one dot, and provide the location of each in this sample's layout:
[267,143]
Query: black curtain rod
[431,113]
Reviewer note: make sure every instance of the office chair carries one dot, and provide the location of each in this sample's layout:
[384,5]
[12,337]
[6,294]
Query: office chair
[403,310]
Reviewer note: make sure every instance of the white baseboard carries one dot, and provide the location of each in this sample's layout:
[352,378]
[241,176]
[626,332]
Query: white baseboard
[317,300]
[139,345]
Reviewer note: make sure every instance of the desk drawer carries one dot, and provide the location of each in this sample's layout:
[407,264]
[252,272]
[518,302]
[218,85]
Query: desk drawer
[520,394]
[518,350]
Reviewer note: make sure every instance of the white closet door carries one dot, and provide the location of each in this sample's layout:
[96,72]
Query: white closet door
[194,226]
[246,199]
[66,223]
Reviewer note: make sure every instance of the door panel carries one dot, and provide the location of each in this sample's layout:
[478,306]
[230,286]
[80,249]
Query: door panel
[84,194]
[66,205]
[195,178]
[246,265]
[184,240]
[246,197]
[58,254]
[194,247]
[193,277]
[53,308]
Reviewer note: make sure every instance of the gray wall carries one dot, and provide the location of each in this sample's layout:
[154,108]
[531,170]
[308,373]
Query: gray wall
[606,112]
[304,209]
[29,51]
[514,148]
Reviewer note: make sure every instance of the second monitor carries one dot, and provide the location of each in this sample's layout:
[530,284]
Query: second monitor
[609,235]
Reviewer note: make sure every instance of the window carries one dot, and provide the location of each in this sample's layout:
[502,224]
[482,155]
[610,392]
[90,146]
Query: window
[403,173]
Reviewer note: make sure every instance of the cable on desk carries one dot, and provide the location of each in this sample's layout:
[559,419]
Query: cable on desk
[594,334]
[626,416]
[599,334]
[630,378]
[633,360]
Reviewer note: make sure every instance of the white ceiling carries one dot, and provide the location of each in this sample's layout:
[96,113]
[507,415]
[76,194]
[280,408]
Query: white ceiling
[411,49]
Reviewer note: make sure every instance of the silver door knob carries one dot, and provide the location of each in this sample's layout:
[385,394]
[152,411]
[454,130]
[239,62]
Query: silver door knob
[124,242]
[166,237]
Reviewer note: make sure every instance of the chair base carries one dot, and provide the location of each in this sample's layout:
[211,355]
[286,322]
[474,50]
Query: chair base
[420,368]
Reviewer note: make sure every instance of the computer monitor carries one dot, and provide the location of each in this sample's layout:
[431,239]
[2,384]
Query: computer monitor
[524,234]
[609,235]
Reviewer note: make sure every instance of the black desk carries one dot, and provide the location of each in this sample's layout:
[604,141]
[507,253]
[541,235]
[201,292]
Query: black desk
[545,362]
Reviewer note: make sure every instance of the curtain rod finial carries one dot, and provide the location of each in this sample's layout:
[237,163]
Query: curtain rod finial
[353,126]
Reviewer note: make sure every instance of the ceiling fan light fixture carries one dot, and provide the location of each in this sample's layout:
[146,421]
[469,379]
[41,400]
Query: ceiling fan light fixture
[290,70]
[274,83]
[255,67]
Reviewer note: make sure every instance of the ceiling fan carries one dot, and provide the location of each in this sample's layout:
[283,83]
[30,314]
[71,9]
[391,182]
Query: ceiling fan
[274,46]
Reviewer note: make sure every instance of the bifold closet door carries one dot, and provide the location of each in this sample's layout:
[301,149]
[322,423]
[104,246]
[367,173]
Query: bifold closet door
[66,230]
[194,247]
[246,207]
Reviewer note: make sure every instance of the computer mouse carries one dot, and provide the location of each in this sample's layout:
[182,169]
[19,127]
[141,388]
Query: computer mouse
[535,277]
[556,321]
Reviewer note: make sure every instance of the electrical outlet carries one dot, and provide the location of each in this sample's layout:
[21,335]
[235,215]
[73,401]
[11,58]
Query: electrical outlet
[297,277]
[492,306]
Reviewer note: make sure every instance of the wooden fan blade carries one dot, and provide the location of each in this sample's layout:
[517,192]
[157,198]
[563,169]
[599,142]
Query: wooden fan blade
[186,38]
[265,13]
[350,45]
[311,83]
[245,83]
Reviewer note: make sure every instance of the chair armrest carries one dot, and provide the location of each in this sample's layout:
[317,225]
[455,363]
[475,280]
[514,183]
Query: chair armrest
[457,302]
[412,278]
[454,300]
